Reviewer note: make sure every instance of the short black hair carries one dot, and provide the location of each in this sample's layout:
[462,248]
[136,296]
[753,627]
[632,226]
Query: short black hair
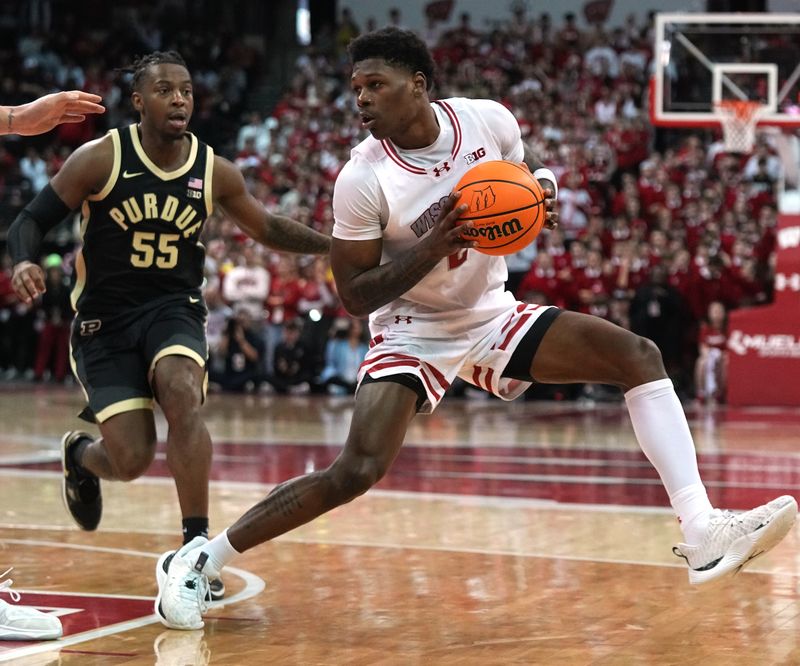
[399,48]
[141,64]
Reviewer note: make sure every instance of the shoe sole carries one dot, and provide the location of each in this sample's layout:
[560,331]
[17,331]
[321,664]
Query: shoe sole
[161,579]
[749,547]
[64,482]
[16,634]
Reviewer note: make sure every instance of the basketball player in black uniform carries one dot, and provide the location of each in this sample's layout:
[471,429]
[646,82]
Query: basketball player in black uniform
[139,331]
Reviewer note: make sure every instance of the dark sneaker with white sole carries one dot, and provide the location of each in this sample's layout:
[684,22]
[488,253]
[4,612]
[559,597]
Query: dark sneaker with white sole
[80,489]
[216,589]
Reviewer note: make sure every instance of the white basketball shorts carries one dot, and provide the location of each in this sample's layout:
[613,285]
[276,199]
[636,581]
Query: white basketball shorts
[478,355]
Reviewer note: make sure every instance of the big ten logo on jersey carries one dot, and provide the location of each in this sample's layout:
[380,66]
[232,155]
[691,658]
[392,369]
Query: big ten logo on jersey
[195,190]
[475,155]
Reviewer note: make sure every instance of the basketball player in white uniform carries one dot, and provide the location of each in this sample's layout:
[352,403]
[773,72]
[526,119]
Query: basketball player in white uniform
[438,310]
[458,318]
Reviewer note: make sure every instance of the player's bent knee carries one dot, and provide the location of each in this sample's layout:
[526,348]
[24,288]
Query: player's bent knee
[355,476]
[645,363]
[180,398]
[649,354]
[132,468]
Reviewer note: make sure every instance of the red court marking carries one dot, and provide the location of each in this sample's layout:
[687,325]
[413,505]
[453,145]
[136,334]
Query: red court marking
[586,476]
[84,612]
[103,654]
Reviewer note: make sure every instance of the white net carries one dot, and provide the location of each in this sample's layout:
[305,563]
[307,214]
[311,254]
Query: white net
[739,119]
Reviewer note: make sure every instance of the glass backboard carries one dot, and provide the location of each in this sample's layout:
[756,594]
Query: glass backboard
[702,59]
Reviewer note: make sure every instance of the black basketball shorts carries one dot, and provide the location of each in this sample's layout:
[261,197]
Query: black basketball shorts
[113,356]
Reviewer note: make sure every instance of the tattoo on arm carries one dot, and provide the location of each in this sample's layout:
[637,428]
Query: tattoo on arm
[383,284]
[282,500]
[282,233]
[10,119]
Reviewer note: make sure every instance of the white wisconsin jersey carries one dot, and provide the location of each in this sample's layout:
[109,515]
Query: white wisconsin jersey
[394,194]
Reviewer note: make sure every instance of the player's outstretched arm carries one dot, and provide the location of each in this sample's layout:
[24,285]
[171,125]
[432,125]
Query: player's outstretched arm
[45,113]
[364,284]
[84,172]
[275,231]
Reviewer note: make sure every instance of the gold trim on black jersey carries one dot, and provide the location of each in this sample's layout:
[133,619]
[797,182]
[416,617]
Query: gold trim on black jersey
[80,262]
[112,177]
[164,175]
[209,181]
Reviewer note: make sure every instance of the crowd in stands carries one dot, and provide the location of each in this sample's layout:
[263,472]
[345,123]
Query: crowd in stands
[657,228]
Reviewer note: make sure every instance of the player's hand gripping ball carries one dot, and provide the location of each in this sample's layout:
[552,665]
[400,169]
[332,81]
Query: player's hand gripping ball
[506,206]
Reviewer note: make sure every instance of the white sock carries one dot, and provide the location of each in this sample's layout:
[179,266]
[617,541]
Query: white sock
[663,434]
[692,507]
[219,552]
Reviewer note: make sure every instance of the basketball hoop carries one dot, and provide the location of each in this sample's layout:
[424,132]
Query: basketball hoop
[739,118]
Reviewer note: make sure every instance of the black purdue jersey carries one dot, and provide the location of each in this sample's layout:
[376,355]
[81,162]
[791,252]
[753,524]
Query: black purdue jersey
[141,231]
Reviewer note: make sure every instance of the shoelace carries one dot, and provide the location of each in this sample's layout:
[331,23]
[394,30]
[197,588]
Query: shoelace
[6,585]
[729,518]
[723,519]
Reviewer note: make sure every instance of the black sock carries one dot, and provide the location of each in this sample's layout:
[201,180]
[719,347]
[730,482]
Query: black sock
[76,452]
[195,526]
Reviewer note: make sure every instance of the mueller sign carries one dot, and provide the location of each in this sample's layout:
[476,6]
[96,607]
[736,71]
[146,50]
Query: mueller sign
[773,345]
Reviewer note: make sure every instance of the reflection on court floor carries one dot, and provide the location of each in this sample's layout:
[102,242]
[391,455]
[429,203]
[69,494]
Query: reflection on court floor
[529,533]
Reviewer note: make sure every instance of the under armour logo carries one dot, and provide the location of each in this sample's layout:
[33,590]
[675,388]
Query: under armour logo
[438,171]
[401,318]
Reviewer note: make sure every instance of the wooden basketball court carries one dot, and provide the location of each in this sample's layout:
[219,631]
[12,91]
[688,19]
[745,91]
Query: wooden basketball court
[522,533]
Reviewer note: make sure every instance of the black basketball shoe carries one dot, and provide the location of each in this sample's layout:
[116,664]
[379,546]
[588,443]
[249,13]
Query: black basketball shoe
[80,489]
[216,589]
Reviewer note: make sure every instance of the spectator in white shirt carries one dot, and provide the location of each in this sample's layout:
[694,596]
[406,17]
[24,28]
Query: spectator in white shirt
[247,284]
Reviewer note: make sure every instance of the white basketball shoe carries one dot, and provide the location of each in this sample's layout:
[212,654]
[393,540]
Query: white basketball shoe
[736,539]
[182,591]
[23,623]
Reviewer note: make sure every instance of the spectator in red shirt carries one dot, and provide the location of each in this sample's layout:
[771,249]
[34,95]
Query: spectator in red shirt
[591,286]
[542,284]
[711,368]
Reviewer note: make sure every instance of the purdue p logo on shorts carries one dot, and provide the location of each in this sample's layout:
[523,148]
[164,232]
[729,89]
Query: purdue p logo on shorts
[90,326]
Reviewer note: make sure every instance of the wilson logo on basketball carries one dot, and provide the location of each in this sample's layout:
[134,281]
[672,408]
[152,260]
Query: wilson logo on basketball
[482,200]
[508,229]
[506,207]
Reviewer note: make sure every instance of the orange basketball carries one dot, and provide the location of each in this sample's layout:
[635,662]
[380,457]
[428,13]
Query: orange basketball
[506,206]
